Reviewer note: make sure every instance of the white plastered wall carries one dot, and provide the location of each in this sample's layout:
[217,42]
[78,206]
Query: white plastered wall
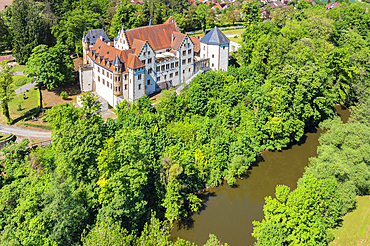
[147,54]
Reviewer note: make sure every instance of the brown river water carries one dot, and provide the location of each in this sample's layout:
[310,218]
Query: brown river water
[228,211]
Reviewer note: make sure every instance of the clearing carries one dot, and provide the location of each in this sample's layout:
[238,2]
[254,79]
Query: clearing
[355,229]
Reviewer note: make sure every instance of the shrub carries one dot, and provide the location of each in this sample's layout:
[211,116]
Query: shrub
[64,95]
[6,137]
[19,107]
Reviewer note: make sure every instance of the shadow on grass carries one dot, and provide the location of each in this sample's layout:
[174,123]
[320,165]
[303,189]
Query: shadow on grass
[27,114]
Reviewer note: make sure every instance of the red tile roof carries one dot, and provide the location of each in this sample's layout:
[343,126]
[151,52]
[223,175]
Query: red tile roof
[170,20]
[196,42]
[137,45]
[134,62]
[178,37]
[108,54]
[7,58]
[158,36]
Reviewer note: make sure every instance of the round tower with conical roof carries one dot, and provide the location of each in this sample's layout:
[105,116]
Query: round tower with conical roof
[117,77]
[86,47]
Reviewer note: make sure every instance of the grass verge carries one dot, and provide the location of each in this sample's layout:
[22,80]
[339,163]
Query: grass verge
[355,229]
[19,81]
[46,127]
[28,106]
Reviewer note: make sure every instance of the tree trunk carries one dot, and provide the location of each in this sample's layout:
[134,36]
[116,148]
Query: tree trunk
[5,107]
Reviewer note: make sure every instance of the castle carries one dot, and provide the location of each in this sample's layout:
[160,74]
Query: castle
[145,60]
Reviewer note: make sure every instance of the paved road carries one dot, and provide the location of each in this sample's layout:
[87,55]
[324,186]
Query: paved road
[19,73]
[233,35]
[25,87]
[24,132]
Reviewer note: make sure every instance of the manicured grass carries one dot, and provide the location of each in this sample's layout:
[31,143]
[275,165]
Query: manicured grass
[47,127]
[356,226]
[28,106]
[238,40]
[232,31]
[19,68]
[19,81]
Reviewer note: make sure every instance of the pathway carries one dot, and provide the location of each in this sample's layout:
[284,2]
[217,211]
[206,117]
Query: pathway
[24,132]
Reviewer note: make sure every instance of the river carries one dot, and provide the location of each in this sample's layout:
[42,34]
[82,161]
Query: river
[228,212]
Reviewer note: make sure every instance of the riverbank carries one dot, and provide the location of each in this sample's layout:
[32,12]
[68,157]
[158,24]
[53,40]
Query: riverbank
[228,211]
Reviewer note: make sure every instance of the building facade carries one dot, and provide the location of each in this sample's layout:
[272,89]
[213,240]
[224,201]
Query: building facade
[145,60]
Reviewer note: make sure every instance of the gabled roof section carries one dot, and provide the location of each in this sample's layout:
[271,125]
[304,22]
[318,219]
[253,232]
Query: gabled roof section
[94,34]
[106,55]
[215,37]
[170,20]
[196,42]
[158,36]
[137,45]
[116,38]
[117,62]
[177,38]
[134,62]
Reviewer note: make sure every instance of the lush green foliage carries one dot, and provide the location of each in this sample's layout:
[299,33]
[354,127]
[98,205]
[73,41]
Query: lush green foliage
[52,66]
[6,88]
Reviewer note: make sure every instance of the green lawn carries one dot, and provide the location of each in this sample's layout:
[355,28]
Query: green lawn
[356,226]
[19,68]
[224,32]
[237,40]
[28,106]
[19,81]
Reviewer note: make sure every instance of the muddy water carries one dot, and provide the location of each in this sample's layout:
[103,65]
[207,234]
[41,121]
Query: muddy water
[228,212]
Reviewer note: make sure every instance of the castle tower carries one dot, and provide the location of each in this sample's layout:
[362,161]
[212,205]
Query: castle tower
[215,46]
[85,47]
[117,77]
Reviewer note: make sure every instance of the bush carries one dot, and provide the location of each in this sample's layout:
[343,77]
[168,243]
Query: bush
[19,107]
[20,82]
[64,95]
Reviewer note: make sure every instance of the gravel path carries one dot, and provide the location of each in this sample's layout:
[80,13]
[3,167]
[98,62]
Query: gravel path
[25,87]
[24,132]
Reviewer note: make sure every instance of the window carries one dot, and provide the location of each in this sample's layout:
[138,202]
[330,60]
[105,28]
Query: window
[130,81]
[125,86]
[176,64]
[183,71]
[102,71]
[111,86]
[143,61]
[172,65]
[110,76]
[213,64]
[171,75]
[149,60]
[139,86]
[98,69]
[165,77]
[149,54]
[158,78]
[125,76]
[158,69]
[98,78]
[103,82]
[189,69]
[139,76]
[176,73]
[116,88]
[167,66]
[119,88]
[204,47]
[213,56]
[189,52]
[162,67]
[189,60]
[183,62]
[149,70]
[184,53]
[204,56]
[224,47]
[144,53]
[107,84]
[148,81]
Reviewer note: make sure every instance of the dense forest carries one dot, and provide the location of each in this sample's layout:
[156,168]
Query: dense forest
[127,180]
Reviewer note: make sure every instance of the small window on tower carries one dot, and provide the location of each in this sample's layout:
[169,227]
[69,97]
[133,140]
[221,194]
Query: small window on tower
[139,86]
[204,47]
[213,64]
[148,81]
[139,76]
[224,47]
[189,69]
[125,86]
[213,56]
